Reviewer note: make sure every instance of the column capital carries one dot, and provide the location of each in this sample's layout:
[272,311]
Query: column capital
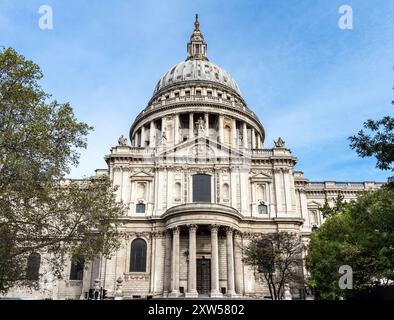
[192,227]
[214,227]
[174,229]
[229,231]
[237,234]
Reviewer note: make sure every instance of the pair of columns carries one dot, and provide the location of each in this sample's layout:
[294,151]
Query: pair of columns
[234,262]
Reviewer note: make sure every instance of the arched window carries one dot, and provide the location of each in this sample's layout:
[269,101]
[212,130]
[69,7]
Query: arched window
[263,209]
[77,266]
[226,192]
[227,134]
[138,256]
[33,266]
[201,188]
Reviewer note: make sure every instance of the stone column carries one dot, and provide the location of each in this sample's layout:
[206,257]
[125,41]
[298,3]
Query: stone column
[152,142]
[175,263]
[245,135]
[143,137]
[136,138]
[259,142]
[206,115]
[214,262]
[238,263]
[176,129]
[230,262]
[191,280]
[253,139]
[221,132]
[234,132]
[191,125]
[167,264]
[163,125]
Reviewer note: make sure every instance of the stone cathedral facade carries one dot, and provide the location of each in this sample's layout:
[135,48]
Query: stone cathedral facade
[199,183]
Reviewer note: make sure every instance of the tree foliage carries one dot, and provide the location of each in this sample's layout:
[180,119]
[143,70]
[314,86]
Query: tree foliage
[39,212]
[278,258]
[377,141]
[339,204]
[361,235]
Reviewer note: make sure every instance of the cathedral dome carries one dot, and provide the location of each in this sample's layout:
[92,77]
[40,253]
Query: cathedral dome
[197,67]
[194,70]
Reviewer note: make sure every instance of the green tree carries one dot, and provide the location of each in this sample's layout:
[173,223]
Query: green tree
[361,235]
[377,141]
[39,211]
[339,205]
[277,257]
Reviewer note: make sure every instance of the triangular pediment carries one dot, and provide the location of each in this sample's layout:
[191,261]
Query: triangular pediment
[314,204]
[142,174]
[201,148]
[261,176]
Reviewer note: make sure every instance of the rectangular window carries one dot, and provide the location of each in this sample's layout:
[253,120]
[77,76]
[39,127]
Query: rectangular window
[77,267]
[263,209]
[196,49]
[198,93]
[140,208]
[201,188]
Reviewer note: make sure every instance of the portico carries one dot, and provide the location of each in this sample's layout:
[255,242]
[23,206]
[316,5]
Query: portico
[205,259]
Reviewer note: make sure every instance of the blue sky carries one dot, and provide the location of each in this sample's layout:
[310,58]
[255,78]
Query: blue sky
[309,82]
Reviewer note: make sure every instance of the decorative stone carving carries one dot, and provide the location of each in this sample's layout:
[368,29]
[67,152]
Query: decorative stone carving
[279,143]
[122,141]
[119,290]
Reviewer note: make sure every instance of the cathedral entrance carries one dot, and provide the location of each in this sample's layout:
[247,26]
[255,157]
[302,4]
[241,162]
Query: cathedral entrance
[203,276]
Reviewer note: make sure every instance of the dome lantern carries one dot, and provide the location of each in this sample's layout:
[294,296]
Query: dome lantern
[197,48]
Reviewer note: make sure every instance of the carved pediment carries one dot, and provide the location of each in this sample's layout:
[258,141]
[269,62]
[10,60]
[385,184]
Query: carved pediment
[141,176]
[314,204]
[261,176]
[202,149]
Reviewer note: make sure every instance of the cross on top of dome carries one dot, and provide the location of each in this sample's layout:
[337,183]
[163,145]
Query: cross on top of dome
[197,48]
